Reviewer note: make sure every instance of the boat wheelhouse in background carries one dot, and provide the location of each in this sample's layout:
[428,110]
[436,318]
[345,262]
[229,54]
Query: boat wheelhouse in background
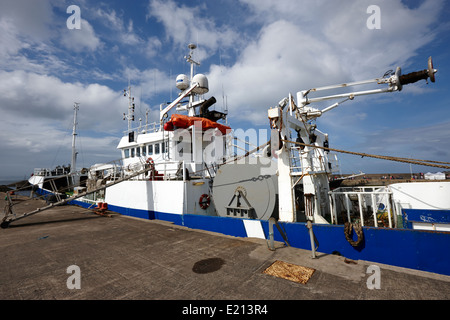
[61,179]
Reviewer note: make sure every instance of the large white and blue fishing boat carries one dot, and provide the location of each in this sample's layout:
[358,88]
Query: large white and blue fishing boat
[184,169]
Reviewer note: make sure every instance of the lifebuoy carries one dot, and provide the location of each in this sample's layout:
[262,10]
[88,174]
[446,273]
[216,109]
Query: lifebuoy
[204,201]
[150,161]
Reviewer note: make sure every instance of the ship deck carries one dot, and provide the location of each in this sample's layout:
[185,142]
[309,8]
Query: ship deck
[123,258]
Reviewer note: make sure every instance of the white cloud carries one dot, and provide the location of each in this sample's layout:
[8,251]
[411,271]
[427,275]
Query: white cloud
[32,18]
[10,43]
[152,46]
[37,113]
[190,24]
[82,39]
[31,35]
[24,25]
[425,142]
[314,43]
[110,18]
[283,59]
[27,95]
[122,32]
[37,142]
[343,26]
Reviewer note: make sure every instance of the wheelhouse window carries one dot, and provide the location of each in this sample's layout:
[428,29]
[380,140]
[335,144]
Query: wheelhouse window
[132,152]
[157,148]
[126,153]
[138,151]
[150,149]
[144,149]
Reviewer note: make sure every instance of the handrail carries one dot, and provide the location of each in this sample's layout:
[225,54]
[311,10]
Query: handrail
[386,192]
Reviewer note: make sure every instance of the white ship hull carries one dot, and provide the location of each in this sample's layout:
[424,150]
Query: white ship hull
[147,199]
[422,195]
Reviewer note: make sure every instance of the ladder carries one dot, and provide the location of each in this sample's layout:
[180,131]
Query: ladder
[295,162]
[10,215]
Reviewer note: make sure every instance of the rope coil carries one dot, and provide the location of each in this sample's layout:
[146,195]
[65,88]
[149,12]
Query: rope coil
[348,228]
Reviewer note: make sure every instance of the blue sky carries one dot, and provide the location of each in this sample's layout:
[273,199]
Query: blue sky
[254,52]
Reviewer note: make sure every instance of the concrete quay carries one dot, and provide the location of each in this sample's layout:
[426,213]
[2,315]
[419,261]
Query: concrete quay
[124,258]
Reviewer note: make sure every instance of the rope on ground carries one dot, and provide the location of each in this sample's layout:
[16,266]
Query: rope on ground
[429,163]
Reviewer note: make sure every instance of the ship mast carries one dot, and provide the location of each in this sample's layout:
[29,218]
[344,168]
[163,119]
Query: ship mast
[131,106]
[188,90]
[189,59]
[73,164]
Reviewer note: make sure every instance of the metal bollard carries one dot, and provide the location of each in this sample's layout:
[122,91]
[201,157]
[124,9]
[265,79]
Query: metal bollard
[271,237]
[311,237]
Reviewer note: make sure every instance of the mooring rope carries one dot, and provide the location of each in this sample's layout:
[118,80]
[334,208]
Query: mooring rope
[237,158]
[429,163]
[358,230]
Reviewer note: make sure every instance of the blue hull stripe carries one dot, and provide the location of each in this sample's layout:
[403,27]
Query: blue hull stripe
[414,249]
[424,216]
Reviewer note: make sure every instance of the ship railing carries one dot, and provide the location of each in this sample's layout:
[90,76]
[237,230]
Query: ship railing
[374,205]
[41,172]
[168,170]
[173,170]
[327,163]
[47,172]
[111,170]
[147,128]
[177,170]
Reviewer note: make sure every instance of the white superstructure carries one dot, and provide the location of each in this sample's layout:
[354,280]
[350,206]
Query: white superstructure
[181,155]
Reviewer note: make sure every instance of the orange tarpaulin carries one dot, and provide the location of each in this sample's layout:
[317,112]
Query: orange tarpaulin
[182,121]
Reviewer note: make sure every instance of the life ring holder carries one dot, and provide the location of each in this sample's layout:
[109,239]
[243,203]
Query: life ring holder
[204,201]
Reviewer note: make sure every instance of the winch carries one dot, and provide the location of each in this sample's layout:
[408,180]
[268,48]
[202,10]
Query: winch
[246,190]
